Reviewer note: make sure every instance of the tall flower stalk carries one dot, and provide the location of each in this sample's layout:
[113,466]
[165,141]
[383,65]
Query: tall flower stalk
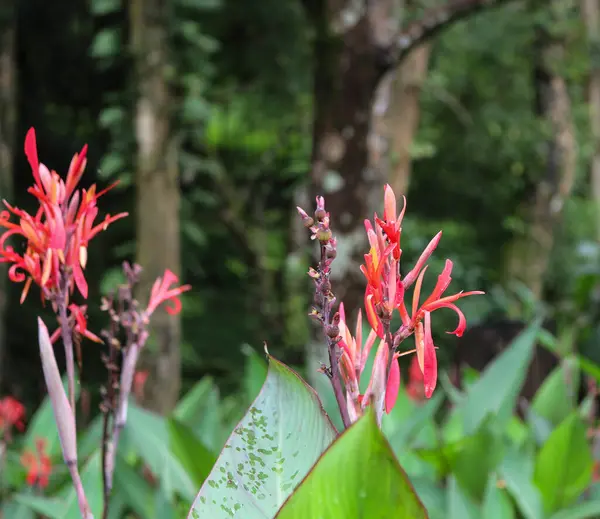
[128,319]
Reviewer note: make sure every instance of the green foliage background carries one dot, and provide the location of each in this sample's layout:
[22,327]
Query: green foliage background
[243,76]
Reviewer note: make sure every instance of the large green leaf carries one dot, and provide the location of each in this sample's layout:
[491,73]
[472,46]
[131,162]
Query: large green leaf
[200,409]
[273,447]
[358,476]
[134,489]
[497,503]
[407,421]
[14,510]
[517,472]
[589,510]
[460,505]
[478,456]
[431,495]
[50,507]
[564,465]
[495,393]
[556,398]
[192,454]
[148,435]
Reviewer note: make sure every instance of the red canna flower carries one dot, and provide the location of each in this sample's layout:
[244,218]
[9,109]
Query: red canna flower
[57,236]
[12,414]
[38,464]
[161,293]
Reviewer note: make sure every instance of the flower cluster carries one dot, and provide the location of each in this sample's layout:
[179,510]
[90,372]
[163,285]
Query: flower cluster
[58,234]
[386,289]
[37,464]
[12,414]
[384,294]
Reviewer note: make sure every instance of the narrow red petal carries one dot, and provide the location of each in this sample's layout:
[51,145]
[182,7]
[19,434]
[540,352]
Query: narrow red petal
[80,281]
[410,278]
[429,359]
[372,317]
[393,387]
[32,155]
[442,284]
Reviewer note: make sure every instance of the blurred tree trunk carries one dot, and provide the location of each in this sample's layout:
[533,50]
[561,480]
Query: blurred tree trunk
[529,255]
[356,45]
[396,119]
[590,10]
[158,195]
[8,102]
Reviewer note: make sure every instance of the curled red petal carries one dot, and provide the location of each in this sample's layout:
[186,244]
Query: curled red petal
[15,275]
[175,306]
[462,321]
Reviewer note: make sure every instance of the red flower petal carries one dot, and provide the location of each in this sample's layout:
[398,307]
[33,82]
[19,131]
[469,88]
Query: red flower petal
[372,317]
[32,155]
[429,359]
[393,387]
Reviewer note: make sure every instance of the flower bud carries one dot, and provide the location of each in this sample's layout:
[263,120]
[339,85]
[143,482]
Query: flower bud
[306,220]
[332,331]
[320,215]
[324,235]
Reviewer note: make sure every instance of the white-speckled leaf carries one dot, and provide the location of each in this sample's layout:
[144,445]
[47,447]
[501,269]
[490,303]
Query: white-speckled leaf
[270,451]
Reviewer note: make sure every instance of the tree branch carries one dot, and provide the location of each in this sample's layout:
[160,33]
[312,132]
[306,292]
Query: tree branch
[430,24]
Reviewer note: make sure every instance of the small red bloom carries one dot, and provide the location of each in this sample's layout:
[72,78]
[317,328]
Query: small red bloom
[38,464]
[12,413]
[161,293]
